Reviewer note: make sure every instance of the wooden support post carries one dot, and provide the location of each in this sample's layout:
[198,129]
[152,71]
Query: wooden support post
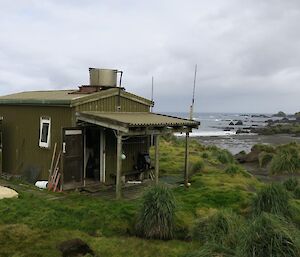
[84,157]
[119,166]
[186,160]
[156,159]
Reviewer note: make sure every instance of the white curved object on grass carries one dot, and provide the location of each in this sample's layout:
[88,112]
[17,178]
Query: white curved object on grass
[41,184]
[6,192]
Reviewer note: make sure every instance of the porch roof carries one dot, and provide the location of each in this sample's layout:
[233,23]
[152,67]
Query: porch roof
[125,121]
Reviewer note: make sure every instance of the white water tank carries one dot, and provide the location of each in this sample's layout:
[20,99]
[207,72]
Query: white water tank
[103,77]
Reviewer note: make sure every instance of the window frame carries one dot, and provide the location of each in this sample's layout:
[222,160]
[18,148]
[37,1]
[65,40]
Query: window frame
[45,120]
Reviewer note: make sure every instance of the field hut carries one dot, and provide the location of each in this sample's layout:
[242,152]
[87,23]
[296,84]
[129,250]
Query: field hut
[102,131]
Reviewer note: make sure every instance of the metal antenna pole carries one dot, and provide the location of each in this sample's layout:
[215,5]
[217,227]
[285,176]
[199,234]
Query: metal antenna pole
[152,86]
[193,99]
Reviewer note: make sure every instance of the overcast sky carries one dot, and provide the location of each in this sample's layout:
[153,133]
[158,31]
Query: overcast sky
[248,52]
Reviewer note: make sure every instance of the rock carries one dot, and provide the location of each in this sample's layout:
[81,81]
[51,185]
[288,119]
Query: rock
[231,124]
[259,116]
[241,157]
[239,123]
[279,114]
[75,247]
[285,120]
[6,192]
[242,131]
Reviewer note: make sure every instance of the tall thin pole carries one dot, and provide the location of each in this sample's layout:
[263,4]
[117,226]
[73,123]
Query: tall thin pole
[119,166]
[156,159]
[152,89]
[186,161]
[193,99]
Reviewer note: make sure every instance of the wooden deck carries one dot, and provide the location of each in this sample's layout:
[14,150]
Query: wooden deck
[98,189]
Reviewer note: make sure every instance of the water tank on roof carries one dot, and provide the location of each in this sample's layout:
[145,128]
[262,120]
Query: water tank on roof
[103,77]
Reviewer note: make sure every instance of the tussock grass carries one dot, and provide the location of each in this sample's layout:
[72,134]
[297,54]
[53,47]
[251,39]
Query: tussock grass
[264,158]
[269,235]
[234,169]
[286,160]
[220,228]
[263,148]
[211,250]
[156,217]
[297,192]
[223,156]
[205,155]
[198,166]
[272,198]
[291,184]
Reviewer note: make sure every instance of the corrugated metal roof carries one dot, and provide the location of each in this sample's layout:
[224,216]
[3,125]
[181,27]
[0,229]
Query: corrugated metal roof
[62,97]
[34,97]
[140,119]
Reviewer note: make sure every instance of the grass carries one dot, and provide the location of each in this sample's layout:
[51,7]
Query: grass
[273,199]
[291,184]
[269,235]
[279,129]
[233,169]
[21,240]
[286,160]
[297,192]
[74,212]
[198,166]
[264,158]
[279,160]
[37,221]
[156,215]
[221,228]
[211,250]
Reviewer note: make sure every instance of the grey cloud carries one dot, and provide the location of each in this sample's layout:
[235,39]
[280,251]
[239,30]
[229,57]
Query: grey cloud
[246,51]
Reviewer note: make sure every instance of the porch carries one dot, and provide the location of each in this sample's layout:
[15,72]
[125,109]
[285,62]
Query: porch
[128,126]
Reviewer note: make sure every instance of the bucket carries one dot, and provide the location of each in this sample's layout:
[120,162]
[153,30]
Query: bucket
[41,184]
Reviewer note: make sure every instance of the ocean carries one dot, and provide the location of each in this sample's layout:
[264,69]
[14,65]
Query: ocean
[220,129]
[224,124]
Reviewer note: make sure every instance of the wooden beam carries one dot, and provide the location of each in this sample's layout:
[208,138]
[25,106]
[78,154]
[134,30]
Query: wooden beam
[186,161]
[119,166]
[155,132]
[105,124]
[156,158]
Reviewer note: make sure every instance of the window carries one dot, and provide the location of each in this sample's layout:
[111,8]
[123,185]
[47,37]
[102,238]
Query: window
[45,131]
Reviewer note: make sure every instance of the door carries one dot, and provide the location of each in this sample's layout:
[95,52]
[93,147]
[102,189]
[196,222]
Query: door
[72,155]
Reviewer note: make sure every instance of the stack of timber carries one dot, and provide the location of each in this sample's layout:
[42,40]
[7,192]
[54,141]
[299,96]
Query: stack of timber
[54,174]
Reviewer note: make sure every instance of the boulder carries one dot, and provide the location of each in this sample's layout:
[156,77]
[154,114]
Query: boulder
[75,247]
[241,157]
[242,131]
[285,120]
[239,123]
[231,124]
[279,114]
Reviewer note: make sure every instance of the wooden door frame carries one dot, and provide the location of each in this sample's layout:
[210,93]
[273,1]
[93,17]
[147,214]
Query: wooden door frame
[102,156]
[63,153]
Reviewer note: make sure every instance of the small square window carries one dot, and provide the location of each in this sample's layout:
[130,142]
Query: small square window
[45,131]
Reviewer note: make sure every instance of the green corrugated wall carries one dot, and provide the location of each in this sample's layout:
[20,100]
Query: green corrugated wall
[21,125]
[131,148]
[109,105]
[20,128]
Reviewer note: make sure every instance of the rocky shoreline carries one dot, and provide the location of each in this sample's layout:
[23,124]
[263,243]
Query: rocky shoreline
[244,142]
[279,123]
